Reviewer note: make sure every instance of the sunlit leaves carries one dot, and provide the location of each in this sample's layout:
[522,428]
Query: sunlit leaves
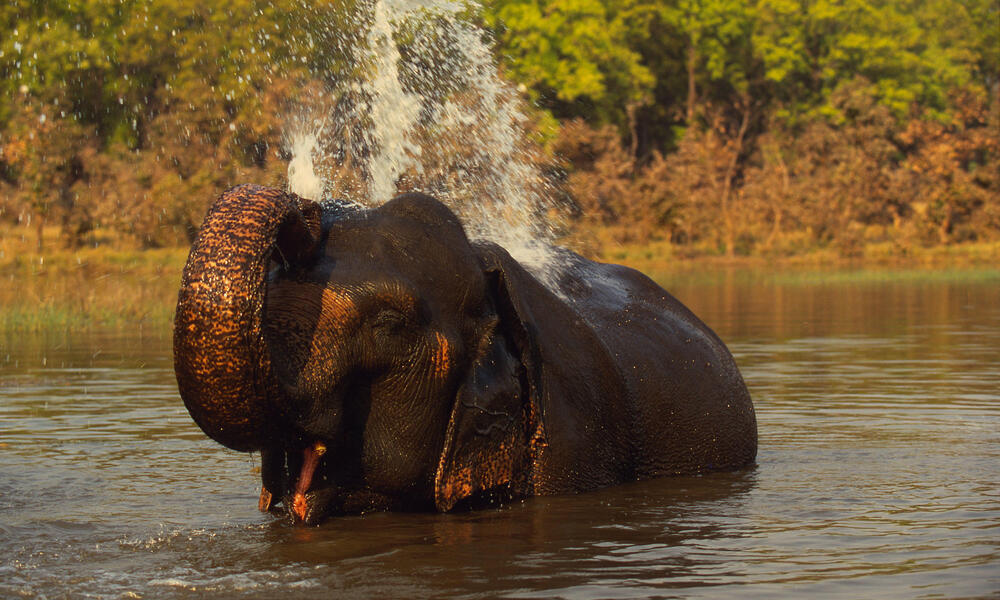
[912,51]
[573,51]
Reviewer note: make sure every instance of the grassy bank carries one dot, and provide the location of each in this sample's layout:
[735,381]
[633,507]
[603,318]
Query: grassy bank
[874,261]
[86,288]
[118,288]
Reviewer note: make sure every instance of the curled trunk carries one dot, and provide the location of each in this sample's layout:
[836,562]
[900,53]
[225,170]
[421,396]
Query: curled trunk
[222,365]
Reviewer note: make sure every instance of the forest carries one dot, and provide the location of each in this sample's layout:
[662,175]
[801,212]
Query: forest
[716,127]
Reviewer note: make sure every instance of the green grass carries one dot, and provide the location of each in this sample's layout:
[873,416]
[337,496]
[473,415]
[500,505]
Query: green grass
[664,262]
[803,275]
[88,288]
[100,288]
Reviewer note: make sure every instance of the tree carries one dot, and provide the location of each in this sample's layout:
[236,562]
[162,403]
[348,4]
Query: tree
[717,40]
[574,56]
[192,87]
[910,51]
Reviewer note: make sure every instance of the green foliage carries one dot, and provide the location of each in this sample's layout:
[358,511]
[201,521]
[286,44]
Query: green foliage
[574,55]
[715,122]
[141,106]
[718,31]
[598,59]
[912,51]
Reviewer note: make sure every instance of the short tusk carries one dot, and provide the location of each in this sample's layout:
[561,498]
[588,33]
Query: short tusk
[266,500]
[310,458]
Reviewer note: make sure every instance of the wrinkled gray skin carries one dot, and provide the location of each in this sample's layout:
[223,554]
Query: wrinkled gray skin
[436,371]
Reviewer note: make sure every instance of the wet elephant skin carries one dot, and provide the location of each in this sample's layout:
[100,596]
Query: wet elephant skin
[430,371]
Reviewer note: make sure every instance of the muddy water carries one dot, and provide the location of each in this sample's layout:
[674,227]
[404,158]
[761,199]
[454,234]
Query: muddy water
[879,411]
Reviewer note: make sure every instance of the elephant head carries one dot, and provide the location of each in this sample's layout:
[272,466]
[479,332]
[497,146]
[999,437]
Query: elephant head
[380,336]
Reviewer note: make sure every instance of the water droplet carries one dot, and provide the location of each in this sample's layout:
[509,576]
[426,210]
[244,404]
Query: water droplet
[439,120]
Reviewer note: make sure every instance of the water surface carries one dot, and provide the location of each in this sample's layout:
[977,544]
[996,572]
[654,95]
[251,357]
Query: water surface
[879,412]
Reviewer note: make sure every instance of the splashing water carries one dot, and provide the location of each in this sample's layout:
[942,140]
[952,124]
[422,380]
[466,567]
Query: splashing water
[302,178]
[436,119]
[394,114]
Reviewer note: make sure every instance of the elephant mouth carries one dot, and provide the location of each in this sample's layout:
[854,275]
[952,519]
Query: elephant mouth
[316,492]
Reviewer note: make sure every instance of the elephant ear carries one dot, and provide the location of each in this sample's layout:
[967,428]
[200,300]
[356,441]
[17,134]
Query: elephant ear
[494,421]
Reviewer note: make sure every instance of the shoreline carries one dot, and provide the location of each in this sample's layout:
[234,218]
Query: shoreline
[102,288]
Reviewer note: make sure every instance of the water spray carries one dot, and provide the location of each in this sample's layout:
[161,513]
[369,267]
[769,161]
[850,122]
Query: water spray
[442,122]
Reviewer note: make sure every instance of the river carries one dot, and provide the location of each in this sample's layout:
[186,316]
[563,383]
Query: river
[878,401]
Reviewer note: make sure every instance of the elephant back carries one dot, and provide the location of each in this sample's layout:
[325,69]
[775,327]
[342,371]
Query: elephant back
[690,409]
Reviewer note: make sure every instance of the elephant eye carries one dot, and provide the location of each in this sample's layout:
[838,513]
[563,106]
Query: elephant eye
[389,320]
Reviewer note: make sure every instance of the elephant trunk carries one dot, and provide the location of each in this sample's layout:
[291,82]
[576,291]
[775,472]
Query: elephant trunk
[222,365]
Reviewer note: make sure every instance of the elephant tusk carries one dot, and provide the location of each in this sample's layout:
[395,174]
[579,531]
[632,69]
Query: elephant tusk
[311,456]
[266,500]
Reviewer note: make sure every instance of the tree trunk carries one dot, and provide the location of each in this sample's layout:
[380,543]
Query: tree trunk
[727,184]
[692,64]
[785,185]
[633,126]
[40,232]
[944,231]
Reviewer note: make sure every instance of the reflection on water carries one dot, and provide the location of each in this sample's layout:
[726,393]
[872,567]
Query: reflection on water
[879,427]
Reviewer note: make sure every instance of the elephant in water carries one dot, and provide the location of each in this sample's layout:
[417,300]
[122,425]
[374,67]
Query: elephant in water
[379,360]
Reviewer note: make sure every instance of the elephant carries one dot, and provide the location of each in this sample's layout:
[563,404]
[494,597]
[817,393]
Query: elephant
[379,359]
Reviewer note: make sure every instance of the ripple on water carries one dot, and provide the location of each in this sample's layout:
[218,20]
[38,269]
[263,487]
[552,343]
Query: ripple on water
[876,477]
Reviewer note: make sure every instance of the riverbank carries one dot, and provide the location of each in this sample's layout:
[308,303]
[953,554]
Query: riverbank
[602,243]
[665,263]
[92,288]
[89,288]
